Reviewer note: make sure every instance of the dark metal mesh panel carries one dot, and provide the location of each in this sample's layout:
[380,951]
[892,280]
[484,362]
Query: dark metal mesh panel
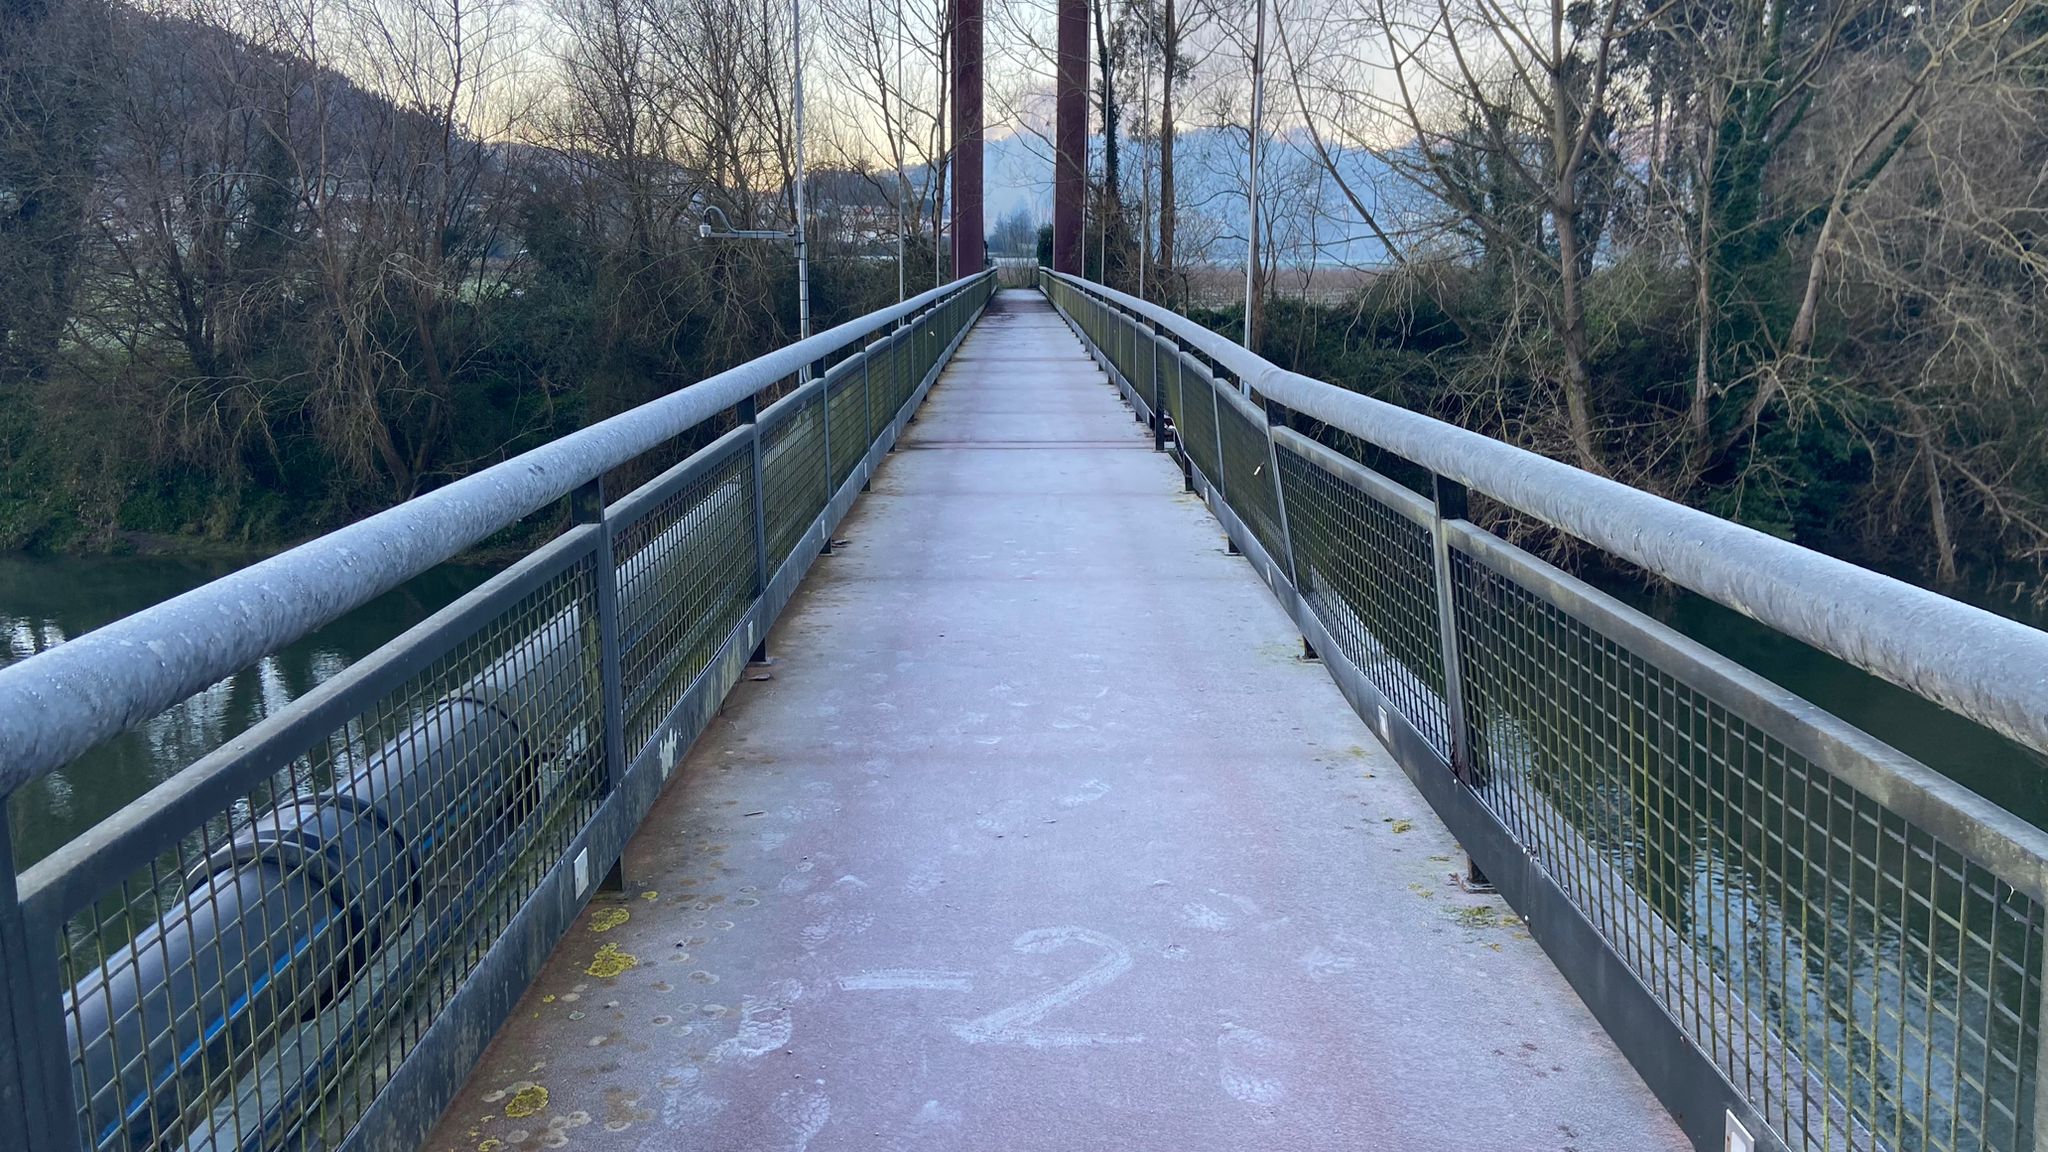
[906,368]
[1169,378]
[1198,432]
[1248,480]
[931,343]
[1138,353]
[686,576]
[912,366]
[882,370]
[1866,985]
[792,475]
[1112,344]
[256,986]
[1369,573]
[849,413]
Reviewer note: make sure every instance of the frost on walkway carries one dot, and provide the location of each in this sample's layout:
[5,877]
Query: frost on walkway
[1041,837]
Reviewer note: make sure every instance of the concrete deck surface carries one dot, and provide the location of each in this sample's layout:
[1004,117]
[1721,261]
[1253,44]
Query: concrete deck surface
[1042,837]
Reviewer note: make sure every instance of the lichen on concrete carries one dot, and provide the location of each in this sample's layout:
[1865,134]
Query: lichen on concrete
[528,1101]
[610,962]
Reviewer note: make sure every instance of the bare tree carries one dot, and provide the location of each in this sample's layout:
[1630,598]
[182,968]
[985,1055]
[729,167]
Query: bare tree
[877,82]
[1016,234]
[54,65]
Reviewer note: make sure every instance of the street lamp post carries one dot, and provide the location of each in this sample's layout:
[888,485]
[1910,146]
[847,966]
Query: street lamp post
[902,129]
[1145,181]
[803,258]
[1251,246]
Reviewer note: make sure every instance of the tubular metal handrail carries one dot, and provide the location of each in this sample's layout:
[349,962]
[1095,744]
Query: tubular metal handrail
[58,703]
[1785,923]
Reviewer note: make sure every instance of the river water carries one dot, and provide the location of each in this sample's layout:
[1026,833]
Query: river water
[47,600]
[2010,775]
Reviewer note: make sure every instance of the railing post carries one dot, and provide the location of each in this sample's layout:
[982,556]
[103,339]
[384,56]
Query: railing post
[1132,326]
[586,506]
[1274,417]
[749,414]
[867,406]
[1452,504]
[1217,481]
[825,430]
[35,1069]
[899,371]
[1216,403]
[902,363]
[1180,440]
[1158,392]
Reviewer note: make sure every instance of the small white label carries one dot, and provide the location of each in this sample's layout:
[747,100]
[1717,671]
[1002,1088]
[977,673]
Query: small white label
[671,747]
[1739,1139]
[582,870]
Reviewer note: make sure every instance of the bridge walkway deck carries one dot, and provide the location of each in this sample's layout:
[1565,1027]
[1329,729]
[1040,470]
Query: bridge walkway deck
[1041,836]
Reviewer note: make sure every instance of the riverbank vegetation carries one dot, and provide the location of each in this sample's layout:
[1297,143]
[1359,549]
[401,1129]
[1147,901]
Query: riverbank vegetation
[271,266]
[1782,260]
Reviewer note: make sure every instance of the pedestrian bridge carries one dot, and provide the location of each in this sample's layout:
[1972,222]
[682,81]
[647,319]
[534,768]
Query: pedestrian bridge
[1024,719]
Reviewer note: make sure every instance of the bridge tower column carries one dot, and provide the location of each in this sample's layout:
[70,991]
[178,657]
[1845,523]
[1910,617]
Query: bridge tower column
[969,236]
[1070,137]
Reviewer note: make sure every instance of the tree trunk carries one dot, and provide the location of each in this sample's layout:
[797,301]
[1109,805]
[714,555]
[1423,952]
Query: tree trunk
[1703,338]
[1572,330]
[52,87]
[1937,508]
[1571,320]
[1112,203]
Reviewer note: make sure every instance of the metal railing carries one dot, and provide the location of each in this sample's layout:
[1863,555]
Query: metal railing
[305,939]
[1785,924]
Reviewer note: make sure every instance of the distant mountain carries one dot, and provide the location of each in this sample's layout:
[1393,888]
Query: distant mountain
[1312,216]
[1016,173]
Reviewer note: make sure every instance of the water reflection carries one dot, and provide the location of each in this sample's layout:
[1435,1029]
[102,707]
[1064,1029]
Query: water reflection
[1864,984]
[46,600]
[2002,771]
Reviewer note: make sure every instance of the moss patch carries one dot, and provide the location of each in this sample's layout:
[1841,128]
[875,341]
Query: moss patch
[527,1101]
[610,962]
